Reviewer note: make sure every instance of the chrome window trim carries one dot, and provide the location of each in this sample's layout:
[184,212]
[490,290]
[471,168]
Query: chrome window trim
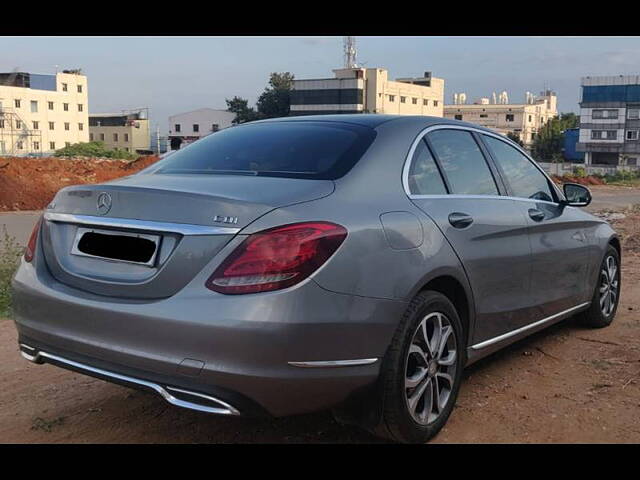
[224,409]
[407,165]
[334,363]
[146,225]
[499,338]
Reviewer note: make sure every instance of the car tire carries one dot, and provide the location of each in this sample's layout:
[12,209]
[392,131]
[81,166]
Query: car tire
[597,315]
[407,415]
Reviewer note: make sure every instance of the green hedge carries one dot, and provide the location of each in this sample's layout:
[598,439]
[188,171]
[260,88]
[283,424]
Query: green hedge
[93,149]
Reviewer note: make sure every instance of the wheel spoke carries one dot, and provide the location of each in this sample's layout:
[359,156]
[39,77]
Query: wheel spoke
[417,350]
[415,396]
[446,333]
[436,394]
[414,380]
[449,360]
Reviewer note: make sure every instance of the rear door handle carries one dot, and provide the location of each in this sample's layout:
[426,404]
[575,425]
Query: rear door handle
[536,214]
[460,220]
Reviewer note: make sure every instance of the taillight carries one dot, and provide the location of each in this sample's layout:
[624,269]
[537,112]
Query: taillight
[277,258]
[33,239]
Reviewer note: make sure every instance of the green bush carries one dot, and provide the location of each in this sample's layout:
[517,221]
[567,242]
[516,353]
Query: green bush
[10,253]
[93,149]
[579,172]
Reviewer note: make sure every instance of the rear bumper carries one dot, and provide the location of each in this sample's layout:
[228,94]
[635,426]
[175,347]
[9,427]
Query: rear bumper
[244,351]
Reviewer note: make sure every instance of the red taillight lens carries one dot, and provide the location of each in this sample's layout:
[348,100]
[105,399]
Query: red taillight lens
[33,239]
[277,258]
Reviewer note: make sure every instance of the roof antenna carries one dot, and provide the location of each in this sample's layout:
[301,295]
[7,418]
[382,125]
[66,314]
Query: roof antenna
[350,52]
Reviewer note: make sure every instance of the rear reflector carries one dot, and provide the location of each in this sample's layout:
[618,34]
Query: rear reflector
[30,251]
[277,258]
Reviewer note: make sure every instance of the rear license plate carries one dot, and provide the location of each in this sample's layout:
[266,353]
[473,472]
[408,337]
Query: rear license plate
[116,246]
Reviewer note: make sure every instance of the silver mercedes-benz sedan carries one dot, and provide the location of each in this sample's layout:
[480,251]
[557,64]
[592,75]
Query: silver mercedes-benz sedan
[350,262]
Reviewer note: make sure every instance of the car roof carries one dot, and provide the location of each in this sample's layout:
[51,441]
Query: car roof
[373,120]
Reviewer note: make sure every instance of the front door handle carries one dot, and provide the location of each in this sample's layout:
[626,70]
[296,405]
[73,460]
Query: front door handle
[536,215]
[460,220]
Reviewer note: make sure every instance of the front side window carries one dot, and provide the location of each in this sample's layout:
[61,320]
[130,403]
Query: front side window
[463,163]
[524,179]
[424,176]
[314,150]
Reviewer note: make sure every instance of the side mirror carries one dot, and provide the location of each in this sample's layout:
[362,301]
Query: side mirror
[576,195]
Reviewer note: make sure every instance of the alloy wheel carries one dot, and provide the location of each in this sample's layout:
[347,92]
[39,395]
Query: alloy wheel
[430,368]
[609,284]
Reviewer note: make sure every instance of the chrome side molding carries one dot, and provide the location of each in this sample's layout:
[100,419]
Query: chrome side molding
[334,363]
[146,225]
[164,391]
[491,341]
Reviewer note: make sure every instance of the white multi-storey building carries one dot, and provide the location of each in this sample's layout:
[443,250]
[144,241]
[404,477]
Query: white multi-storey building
[42,113]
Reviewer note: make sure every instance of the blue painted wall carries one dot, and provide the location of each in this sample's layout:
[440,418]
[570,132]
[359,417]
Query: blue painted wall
[570,140]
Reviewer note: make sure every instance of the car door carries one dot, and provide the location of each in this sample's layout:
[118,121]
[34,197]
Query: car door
[450,179]
[559,246]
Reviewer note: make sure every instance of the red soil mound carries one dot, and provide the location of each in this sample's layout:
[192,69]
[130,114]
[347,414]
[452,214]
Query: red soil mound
[31,183]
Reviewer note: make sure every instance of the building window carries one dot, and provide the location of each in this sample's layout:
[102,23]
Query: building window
[484,115]
[66,125]
[126,137]
[509,117]
[34,106]
[36,125]
[632,134]
[18,124]
[392,98]
[196,127]
[36,145]
[604,134]
[435,103]
[529,118]
[65,107]
[79,88]
[414,101]
[177,129]
[425,102]
[80,126]
[51,125]
[604,113]
[52,145]
[80,107]
[67,144]
[102,137]
[91,137]
[64,87]
[19,145]
[403,99]
[127,149]
[1,123]
[50,105]
[16,102]
[115,137]
[458,117]
[215,127]
[632,161]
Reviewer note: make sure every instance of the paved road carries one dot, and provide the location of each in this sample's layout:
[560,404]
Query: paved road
[20,224]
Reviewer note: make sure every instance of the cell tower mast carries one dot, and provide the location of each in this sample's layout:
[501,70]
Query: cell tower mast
[350,52]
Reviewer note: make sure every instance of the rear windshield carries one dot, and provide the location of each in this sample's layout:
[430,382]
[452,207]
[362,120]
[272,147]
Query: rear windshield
[318,150]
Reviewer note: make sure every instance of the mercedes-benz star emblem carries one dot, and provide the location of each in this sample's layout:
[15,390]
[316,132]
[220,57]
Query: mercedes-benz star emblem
[104,203]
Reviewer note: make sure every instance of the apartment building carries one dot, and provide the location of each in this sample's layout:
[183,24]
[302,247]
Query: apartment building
[610,120]
[368,90]
[42,113]
[193,125]
[523,120]
[127,131]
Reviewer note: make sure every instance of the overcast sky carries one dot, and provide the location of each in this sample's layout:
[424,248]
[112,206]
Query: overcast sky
[176,74]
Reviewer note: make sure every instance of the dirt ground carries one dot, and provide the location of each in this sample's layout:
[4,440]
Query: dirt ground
[18,191]
[567,384]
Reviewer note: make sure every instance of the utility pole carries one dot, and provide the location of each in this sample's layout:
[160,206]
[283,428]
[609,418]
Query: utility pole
[158,139]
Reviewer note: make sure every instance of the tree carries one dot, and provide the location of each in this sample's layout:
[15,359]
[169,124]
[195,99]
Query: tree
[548,143]
[516,138]
[240,106]
[274,101]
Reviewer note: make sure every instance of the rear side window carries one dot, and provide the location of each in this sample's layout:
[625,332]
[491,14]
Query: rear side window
[463,163]
[424,176]
[524,179]
[304,149]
